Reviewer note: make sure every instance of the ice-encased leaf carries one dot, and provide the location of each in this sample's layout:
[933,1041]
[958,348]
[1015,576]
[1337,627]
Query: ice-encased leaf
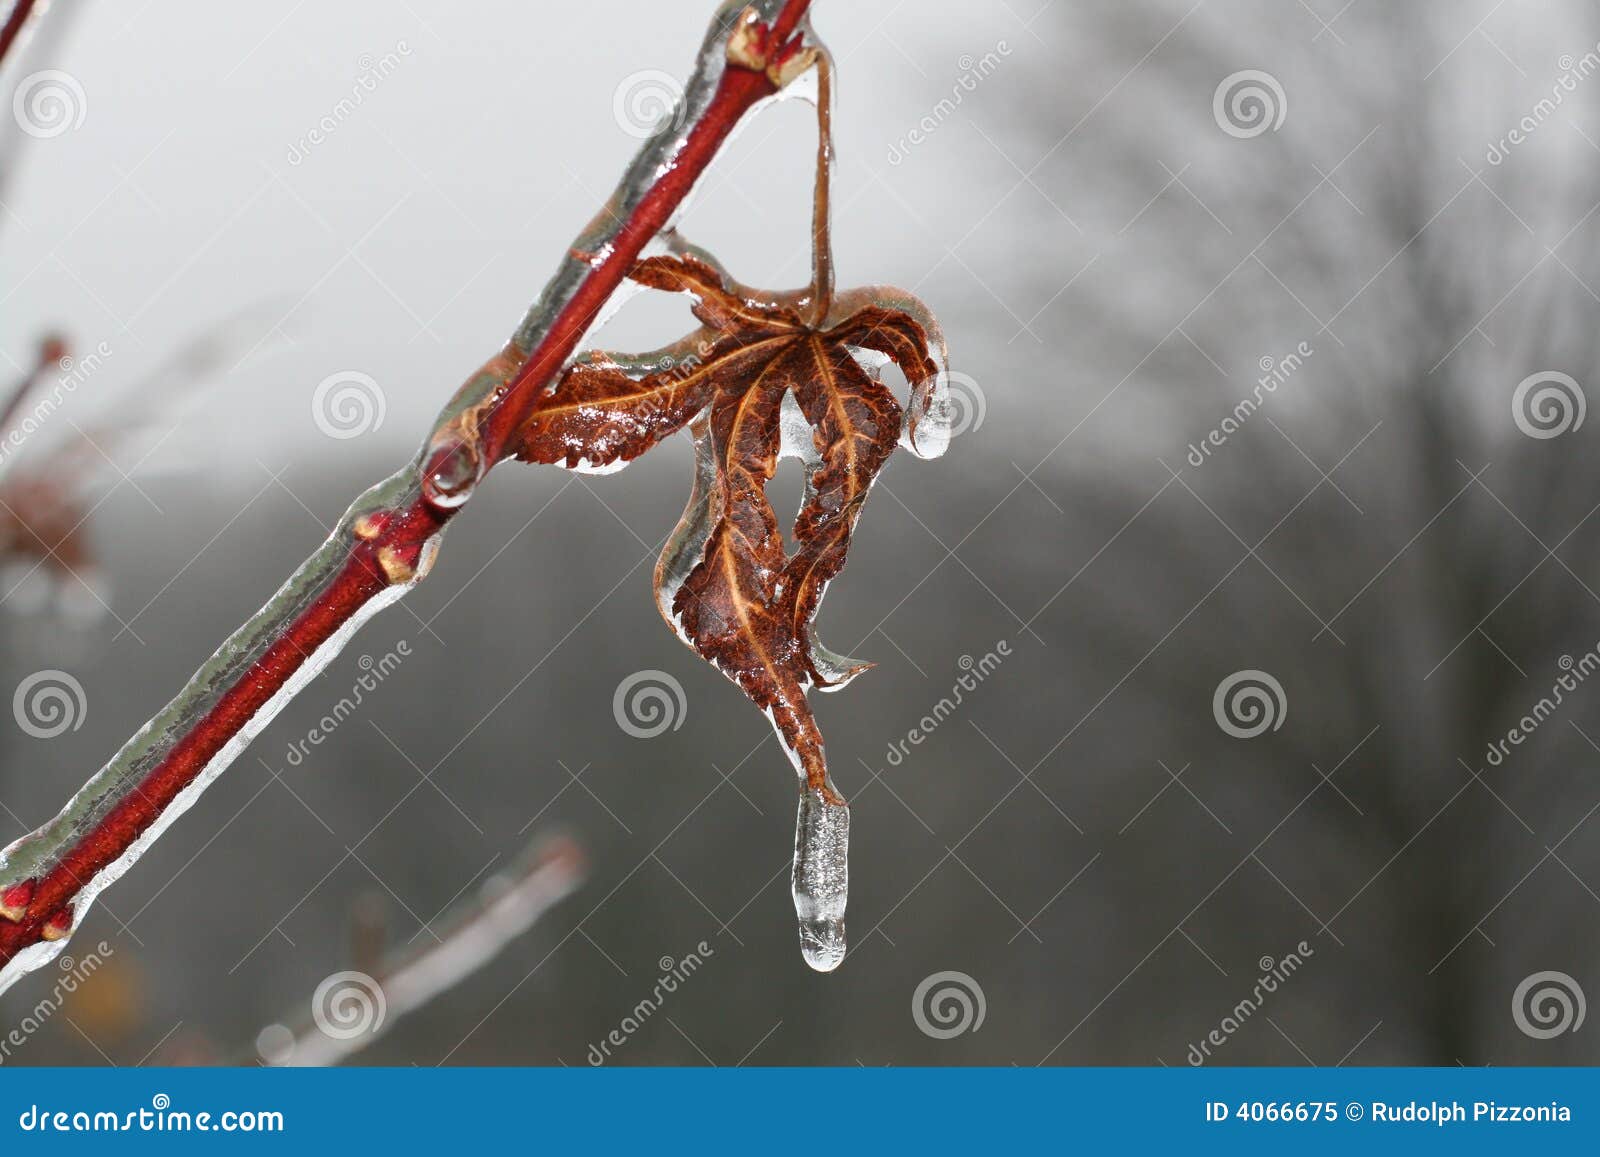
[754,383]
[920,352]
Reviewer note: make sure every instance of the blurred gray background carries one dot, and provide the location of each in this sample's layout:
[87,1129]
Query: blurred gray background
[1081,838]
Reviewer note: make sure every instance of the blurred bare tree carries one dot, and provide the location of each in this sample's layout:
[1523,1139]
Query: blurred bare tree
[1377,526]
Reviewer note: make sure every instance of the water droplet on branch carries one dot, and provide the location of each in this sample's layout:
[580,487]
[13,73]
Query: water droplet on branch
[451,476]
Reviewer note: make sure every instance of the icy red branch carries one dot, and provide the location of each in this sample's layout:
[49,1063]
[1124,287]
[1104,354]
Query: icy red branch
[386,541]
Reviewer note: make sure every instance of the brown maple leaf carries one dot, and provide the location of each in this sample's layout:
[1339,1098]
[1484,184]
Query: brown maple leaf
[756,382]
[765,376]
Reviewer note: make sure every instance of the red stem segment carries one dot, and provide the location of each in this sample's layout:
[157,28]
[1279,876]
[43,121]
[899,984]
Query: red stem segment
[393,546]
[16,21]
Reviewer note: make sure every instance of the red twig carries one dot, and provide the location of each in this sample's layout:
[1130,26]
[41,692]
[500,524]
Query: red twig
[387,540]
[16,21]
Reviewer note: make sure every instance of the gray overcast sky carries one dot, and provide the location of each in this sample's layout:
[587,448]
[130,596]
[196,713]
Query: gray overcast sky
[406,244]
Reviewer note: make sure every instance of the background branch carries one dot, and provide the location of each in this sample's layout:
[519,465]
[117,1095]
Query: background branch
[350,1010]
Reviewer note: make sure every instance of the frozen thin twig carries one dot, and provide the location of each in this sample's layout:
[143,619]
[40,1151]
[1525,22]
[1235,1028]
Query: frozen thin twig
[351,1009]
[51,350]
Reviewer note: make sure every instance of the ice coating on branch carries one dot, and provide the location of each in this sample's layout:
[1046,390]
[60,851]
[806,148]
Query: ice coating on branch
[804,88]
[35,854]
[821,880]
[451,475]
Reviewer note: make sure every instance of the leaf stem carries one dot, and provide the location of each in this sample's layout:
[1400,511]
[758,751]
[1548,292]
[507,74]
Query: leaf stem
[821,216]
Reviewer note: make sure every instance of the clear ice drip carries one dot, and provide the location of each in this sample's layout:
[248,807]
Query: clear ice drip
[821,878]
